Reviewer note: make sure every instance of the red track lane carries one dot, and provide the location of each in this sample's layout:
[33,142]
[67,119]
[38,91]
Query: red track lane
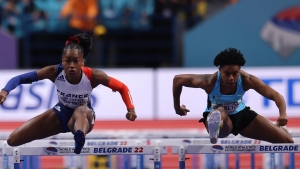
[145,124]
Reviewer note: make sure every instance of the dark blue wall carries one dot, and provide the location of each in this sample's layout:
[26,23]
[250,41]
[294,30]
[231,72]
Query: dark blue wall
[240,26]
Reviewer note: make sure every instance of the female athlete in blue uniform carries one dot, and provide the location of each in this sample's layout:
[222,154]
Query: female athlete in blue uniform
[74,83]
[226,112]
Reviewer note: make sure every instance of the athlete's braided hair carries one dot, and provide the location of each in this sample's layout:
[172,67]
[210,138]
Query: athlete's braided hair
[82,42]
[230,56]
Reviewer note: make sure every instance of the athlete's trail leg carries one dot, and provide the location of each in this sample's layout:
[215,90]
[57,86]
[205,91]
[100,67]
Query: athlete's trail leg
[263,129]
[42,126]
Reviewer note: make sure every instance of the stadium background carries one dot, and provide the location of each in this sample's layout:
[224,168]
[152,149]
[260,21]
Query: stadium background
[144,43]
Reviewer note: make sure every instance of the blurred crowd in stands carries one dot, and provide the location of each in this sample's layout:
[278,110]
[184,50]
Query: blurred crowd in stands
[22,16]
[125,32]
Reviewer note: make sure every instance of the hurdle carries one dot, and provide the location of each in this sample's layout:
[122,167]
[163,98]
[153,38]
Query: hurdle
[224,142]
[88,143]
[16,152]
[200,141]
[184,146]
[184,139]
[233,149]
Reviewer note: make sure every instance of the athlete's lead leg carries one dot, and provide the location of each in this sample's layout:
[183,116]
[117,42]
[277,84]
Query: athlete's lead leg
[214,122]
[80,124]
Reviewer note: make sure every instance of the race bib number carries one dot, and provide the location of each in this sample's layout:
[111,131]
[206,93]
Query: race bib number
[230,107]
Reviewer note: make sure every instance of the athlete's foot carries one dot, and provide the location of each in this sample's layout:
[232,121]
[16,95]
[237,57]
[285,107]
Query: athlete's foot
[79,141]
[214,122]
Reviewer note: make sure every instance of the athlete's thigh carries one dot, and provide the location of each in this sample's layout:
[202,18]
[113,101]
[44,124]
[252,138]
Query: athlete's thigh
[226,126]
[263,129]
[82,112]
[41,126]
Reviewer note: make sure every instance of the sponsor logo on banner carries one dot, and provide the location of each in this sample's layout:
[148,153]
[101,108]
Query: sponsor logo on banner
[66,143]
[115,150]
[217,148]
[186,142]
[240,142]
[197,142]
[62,143]
[53,142]
[279,148]
[51,150]
[106,143]
[240,148]
[68,150]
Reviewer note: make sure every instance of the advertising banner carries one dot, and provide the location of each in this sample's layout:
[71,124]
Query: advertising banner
[30,100]
[151,91]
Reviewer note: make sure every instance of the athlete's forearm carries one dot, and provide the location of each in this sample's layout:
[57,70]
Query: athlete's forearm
[280,103]
[116,85]
[177,89]
[26,78]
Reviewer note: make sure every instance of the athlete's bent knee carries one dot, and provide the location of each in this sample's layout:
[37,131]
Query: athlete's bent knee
[81,111]
[80,114]
[220,109]
[224,115]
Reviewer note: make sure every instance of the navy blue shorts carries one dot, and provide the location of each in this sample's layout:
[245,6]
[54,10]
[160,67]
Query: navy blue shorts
[64,114]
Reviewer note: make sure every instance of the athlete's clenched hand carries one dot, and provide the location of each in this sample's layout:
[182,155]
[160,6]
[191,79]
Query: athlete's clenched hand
[182,110]
[131,116]
[3,95]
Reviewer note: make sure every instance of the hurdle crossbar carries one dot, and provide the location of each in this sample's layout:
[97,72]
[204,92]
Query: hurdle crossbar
[69,151]
[88,143]
[139,147]
[233,149]
[156,151]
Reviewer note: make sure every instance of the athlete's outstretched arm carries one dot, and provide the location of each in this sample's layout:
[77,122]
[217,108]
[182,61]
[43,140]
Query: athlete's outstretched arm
[252,82]
[27,78]
[187,80]
[99,77]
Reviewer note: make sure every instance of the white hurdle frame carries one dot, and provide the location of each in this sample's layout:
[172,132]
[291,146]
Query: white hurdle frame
[233,149]
[16,152]
[181,144]
[162,143]
[224,142]
[89,143]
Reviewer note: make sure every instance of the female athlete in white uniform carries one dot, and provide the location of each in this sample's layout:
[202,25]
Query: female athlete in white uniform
[74,83]
[226,112]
